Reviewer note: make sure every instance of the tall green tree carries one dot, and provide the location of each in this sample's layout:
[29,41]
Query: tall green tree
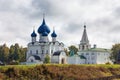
[16,51]
[1,54]
[4,53]
[22,55]
[115,49]
[11,53]
[73,48]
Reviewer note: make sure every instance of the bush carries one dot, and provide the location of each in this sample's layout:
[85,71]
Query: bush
[14,62]
[108,63]
[47,59]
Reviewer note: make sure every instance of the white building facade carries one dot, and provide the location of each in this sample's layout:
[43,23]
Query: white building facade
[93,55]
[37,50]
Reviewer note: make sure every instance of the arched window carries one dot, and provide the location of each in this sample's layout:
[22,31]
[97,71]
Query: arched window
[83,47]
[87,46]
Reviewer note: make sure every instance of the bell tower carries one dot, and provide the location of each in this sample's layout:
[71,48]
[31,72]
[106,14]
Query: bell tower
[84,43]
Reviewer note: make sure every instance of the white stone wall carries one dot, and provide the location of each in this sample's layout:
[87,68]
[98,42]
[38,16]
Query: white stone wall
[55,59]
[96,57]
[103,58]
[75,60]
[58,58]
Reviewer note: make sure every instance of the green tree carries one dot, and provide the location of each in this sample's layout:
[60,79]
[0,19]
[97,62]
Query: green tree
[47,59]
[11,53]
[73,48]
[5,51]
[16,52]
[22,55]
[115,49]
[1,54]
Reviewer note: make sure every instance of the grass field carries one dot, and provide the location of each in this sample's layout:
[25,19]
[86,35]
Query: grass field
[57,71]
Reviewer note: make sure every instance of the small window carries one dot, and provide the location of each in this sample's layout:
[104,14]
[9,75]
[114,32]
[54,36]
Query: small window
[30,51]
[42,51]
[47,51]
[92,53]
[36,51]
[83,47]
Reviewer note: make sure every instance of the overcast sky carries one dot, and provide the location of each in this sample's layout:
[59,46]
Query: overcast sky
[102,18]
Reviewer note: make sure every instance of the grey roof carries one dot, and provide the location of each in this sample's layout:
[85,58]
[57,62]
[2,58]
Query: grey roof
[36,57]
[84,36]
[57,53]
[97,50]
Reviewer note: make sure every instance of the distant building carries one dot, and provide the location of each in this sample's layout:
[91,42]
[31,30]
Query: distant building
[37,50]
[93,55]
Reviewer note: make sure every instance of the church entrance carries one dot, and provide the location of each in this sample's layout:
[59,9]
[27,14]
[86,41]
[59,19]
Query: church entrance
[63,61]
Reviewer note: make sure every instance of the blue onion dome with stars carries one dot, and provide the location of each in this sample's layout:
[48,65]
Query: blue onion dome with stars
[33,34]
[53,34]
[44,33]
[43,28]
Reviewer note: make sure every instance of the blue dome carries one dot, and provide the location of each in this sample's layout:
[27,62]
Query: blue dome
[33,34]
[54,34]
[43,27]
[44,34]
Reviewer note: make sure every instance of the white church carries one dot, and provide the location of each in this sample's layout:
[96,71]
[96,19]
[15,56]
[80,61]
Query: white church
[88,54]
[38,49]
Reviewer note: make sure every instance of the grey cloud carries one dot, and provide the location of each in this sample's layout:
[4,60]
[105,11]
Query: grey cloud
[41,7]
[116,12]
[115,29]
[88,2]
[73,27]
[19,24]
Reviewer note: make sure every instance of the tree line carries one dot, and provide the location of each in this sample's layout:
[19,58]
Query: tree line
[17,53]
[14,53]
